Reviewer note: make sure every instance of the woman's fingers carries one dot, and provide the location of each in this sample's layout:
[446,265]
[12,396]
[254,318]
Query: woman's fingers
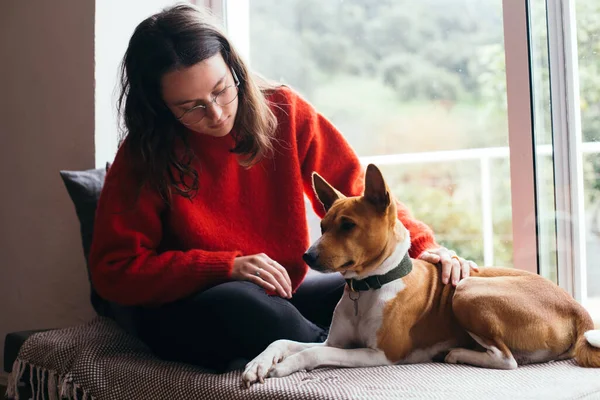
[263,271]
[455,271]
[285,277]
[270,274]
[465,266]
[447,267]
[454,268]
[473,265]
[261,282]
[430,257]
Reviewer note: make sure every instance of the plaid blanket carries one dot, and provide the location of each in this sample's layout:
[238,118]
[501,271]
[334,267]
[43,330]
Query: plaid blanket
[98,360]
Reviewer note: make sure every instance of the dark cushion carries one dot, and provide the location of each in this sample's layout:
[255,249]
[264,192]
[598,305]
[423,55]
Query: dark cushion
[84,188]
[12,344]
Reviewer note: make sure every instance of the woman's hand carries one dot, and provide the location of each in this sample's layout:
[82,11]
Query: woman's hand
[263,271]
[452,265]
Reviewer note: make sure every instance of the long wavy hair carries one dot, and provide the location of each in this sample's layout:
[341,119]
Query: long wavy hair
[179,37]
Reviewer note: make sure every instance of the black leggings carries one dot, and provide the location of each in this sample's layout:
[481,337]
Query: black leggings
[238,320]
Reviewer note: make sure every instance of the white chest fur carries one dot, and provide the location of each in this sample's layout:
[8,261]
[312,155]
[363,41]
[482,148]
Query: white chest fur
[357,327]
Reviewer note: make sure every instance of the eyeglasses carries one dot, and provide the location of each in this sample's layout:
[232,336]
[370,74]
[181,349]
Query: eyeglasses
[223,98]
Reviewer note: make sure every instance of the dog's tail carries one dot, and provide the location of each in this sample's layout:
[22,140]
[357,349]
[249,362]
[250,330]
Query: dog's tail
[587,348]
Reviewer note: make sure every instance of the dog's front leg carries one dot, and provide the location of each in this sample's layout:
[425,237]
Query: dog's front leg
[327,356]
[258,369]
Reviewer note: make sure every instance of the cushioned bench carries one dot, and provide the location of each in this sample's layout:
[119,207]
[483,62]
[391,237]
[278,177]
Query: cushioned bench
[101,360]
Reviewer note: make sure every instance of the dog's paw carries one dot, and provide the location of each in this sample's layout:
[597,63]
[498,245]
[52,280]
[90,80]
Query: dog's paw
[452,357]
[258,369]
[287,367]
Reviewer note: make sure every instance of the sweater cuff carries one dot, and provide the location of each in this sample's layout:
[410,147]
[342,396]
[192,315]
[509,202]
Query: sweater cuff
[421,244]
[214,265]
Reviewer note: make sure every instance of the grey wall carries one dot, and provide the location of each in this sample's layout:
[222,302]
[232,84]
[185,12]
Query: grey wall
[46,124]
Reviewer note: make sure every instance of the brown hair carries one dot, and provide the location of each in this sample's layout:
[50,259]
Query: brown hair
[179,37]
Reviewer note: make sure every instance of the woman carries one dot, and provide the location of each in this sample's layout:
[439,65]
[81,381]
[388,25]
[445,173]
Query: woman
[201,222]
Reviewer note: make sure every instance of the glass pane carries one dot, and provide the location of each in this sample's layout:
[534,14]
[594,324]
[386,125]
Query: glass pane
[399,77]
[588,42]
[542,130]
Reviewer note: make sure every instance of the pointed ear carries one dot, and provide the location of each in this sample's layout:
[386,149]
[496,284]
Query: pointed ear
[376,190]
[326,193]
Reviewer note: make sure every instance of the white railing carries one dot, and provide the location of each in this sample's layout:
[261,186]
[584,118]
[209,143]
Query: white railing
[484,155]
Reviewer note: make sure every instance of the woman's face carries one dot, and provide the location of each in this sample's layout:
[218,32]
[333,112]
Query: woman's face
[203,97]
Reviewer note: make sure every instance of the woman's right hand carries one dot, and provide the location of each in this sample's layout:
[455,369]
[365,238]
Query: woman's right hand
[263,271]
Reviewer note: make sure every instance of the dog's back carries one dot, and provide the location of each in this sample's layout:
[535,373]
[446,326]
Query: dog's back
[513,310]
[537,320]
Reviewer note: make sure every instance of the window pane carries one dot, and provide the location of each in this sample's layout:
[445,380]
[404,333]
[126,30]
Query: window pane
[542,128]
[588,42]
[399,77]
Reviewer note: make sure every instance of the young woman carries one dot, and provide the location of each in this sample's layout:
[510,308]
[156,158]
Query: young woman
[201,222]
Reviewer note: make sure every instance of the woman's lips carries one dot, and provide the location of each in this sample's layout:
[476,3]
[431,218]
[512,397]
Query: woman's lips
[219,124]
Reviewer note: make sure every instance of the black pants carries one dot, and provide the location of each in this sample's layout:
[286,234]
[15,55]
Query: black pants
[239,320]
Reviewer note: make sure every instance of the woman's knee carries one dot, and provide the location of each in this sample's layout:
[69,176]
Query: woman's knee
[230,296]
[246,311]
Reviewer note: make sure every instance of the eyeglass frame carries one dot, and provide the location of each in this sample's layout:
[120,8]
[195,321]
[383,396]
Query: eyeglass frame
[236,84]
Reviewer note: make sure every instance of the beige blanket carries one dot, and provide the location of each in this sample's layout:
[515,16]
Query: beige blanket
[99,360]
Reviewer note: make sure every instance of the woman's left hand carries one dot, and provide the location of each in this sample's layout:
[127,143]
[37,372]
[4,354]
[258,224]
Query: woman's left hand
[453,266]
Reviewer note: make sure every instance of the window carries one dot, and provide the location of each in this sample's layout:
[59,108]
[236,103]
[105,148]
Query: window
[481,113]
[115,23]
[431,92]
[587,31]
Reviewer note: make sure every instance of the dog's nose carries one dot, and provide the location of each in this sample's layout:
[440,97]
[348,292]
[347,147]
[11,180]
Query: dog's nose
[310,258]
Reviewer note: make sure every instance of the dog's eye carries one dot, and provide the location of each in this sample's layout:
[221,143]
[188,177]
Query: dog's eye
[347,225]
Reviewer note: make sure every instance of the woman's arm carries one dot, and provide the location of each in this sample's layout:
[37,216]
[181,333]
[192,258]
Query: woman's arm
[125,263]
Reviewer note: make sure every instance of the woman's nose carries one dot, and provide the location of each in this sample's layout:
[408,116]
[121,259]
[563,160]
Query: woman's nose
[214,111]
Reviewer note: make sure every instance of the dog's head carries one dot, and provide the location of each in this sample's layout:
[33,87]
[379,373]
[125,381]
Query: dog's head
[358,233]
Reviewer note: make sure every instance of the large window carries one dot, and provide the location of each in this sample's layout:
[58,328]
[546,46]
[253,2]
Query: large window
[426,80]
[483,114]
[588,73]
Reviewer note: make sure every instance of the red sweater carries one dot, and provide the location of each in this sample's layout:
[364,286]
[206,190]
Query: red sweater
[147,253]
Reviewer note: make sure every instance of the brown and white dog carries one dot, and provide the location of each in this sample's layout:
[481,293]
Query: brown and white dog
[397,310]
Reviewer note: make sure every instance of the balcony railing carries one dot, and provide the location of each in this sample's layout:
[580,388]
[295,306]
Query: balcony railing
[484,155]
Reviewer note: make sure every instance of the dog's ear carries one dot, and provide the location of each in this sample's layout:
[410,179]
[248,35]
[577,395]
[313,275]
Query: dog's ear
[376,190]
[326,193]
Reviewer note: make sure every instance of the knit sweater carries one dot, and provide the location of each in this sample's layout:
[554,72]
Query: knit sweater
[146,253]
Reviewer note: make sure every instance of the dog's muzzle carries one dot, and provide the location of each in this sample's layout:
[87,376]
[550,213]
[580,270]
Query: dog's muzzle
[310,258]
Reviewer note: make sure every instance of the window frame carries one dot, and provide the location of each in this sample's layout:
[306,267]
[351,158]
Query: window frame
[520,135]
[567,145]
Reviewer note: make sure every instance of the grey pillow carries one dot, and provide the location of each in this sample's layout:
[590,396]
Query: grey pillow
[84,188]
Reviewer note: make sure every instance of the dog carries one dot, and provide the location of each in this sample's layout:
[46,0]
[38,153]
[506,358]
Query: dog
[396,310]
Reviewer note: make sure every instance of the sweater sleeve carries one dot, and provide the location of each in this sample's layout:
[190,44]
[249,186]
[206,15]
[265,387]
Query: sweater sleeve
[323,149]
[125,264]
